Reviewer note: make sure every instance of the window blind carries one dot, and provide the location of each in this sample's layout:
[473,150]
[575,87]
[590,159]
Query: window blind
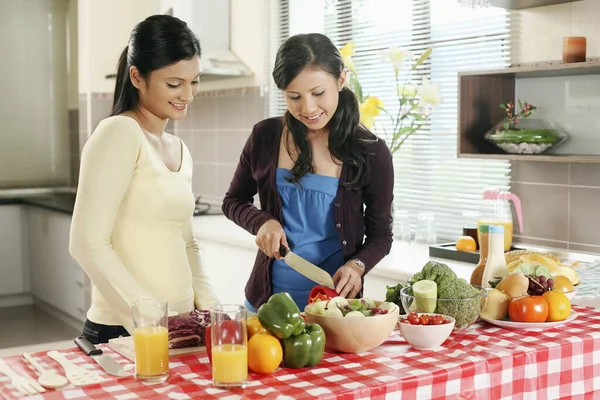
[429,176]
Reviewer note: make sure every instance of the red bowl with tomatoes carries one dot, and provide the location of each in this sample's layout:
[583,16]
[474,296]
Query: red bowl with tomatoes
[425,331]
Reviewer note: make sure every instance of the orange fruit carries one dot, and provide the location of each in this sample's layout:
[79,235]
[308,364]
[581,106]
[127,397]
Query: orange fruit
[254,326]
[559,306]
[466,243]
[562,284]
[264,353]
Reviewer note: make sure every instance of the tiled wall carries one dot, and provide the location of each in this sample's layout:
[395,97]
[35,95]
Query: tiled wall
[559,199]
[215,130]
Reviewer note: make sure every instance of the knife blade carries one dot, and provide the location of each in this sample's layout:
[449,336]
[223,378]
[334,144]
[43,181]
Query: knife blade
[306,268]
[104,360]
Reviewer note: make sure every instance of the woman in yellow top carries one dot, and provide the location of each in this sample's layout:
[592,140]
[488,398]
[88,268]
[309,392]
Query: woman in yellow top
[132,222]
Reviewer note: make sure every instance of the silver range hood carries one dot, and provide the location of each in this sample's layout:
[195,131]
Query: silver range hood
[211,21]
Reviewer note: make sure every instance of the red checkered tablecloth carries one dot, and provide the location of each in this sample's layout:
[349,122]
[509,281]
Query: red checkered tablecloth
[482,362]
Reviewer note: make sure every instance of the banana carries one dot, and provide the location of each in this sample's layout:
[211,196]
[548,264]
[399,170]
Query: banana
[513,265]
[517,254]
[541,259]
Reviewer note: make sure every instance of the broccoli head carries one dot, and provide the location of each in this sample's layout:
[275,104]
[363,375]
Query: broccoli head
[466,303]
[433,271]
[456,288]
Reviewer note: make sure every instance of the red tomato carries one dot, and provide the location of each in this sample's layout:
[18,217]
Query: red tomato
[424,319]
[413,318]
[528,309]
[231,333]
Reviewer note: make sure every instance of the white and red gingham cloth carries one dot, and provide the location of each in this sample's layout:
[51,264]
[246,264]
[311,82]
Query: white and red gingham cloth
[482,362]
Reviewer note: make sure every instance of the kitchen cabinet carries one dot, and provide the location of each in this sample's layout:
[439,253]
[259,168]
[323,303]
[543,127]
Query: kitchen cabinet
[56,278]
[13,236]
[104,28]
[481,92]
[228,267]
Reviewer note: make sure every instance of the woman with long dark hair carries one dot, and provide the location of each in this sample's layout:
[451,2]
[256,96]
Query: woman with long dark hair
[132,223]
[325,183]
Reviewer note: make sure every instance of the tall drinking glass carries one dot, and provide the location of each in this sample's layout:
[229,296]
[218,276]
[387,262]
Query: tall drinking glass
[229,346]
[151,340]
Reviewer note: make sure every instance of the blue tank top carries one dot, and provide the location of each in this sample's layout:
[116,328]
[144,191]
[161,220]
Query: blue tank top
[310,230]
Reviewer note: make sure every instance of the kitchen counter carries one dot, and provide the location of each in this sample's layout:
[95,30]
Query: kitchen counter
[61,202]
[403,261]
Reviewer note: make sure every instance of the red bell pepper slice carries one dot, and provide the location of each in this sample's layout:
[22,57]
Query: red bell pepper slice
[321,293]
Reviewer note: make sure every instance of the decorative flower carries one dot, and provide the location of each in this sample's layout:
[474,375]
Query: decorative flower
[396,56]
[415,101]
[512,118]
[369,109]
[347,51]
[430,94]
[407,90]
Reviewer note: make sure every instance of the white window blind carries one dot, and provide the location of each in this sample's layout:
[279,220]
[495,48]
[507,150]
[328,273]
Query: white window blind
[429,176]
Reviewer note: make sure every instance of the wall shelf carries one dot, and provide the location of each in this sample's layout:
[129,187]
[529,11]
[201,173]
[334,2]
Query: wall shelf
[523,4]
[480,94]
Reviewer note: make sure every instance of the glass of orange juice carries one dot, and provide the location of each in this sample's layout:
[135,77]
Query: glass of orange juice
[229,346]
[151,340]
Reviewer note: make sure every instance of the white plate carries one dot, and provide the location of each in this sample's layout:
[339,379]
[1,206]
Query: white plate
[530,325]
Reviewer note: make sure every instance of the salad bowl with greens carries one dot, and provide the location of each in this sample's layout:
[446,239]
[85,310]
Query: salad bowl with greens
[353,326]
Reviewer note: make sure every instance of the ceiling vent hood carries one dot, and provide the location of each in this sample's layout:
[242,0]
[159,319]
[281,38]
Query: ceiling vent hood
[211,22]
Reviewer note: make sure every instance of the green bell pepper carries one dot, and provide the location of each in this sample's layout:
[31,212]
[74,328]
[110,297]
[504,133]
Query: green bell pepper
[306,349]
[281,316]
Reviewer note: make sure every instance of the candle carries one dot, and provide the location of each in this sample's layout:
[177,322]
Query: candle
[574,48]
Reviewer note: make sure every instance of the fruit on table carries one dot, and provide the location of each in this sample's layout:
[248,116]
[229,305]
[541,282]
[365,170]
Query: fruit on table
[513,255]
[563,284]
[528,309]
[559,306]
[425,293]
[517,257]
[539,285]
[280,316]
[568,272]
[496,305]
[264,353]
[305,349]
[514,285]
[466,243]
[254,326]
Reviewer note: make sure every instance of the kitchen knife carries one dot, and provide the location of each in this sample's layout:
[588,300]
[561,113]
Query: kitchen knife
[104,360]
[306,268]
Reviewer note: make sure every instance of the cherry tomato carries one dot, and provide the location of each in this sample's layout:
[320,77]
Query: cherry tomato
[528,309]
[437,320]
[413,319]
[424,319]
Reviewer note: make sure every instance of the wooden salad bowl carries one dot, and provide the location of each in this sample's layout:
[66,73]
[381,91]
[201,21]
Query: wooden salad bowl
[355,334]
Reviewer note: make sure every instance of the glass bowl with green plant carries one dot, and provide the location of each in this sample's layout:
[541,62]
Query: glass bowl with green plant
[519,134]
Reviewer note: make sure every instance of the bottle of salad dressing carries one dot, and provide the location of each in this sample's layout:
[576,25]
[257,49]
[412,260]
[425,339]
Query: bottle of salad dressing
[477,275]
[495,265]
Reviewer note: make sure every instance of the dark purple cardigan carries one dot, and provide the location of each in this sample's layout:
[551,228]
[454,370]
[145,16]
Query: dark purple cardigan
[362,215]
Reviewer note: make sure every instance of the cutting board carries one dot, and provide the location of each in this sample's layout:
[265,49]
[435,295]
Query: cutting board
[124,346]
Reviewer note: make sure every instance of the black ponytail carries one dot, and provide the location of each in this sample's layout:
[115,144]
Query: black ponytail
[346,137]
[126,95]
[156,42]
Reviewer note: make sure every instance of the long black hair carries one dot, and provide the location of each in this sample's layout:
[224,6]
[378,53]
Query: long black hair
[315,50]
[156,42]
